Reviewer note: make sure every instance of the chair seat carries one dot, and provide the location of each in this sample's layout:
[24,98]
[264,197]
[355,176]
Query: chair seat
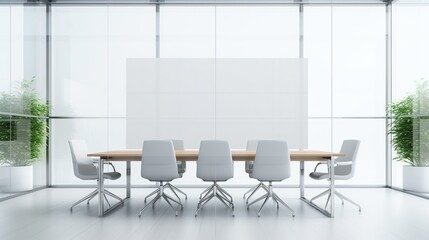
[319,175]
[324,175]
[112,175]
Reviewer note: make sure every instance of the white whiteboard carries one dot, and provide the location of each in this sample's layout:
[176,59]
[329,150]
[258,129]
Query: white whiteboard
[229,99]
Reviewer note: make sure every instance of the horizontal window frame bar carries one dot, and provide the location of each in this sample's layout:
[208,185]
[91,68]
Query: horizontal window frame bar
[22,115]
[310,118]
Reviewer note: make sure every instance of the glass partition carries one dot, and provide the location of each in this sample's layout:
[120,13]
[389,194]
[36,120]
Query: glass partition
[410,96]
[94,45]
[23,106]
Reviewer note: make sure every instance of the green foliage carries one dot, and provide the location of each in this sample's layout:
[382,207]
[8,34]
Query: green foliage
[401,129]
[410,127]
[25,136]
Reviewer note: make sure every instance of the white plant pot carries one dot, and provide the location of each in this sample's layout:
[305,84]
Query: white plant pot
[16,179]
[416,179]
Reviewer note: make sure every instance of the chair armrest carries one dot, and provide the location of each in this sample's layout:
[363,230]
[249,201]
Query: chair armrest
[315,168]
[343,163]
[96,160]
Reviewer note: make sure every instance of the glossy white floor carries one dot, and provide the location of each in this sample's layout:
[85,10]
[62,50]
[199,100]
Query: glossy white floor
[386,214]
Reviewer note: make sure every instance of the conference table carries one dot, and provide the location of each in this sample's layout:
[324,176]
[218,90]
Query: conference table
[190,155]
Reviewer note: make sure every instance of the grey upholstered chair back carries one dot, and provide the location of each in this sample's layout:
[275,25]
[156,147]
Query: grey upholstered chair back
[346,164]
[251,145]
[215,161]
[178,144]
[272,161]
[83,165]
[159,161]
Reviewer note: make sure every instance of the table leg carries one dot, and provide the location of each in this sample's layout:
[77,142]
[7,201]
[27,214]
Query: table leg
[128,179]
[332,185]
[301,178]
[100,187]
[331,189]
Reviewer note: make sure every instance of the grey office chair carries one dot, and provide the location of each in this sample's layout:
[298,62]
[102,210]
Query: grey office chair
[159,164]
[84,168]
[251,145]
[181,166]
[215,165]
[272,164]
[344,169]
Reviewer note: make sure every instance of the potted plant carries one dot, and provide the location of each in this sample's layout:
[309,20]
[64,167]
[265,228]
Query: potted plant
[22,139]
[410,137]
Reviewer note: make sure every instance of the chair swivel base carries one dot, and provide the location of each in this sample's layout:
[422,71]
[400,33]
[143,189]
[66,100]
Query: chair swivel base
[161,194]
[93,194]
[339,195]
[270,194]
[173,190]
[215,191]
[254,189]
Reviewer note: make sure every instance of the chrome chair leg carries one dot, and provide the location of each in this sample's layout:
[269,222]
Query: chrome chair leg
[257,200]
[254,191]
[166,199]
[225,193]
[89,196]
[215,191]
[173,200]
[250,190]
[348,200]
[278,199]
[150,194]
[151,202]
[174,192]
[268,195]
[260,209]
[222,200]
[201,204]
[87,202]
[161,194]
[205,191]
[178,190]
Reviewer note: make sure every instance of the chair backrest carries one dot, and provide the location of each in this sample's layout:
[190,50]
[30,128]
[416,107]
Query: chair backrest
[178,144]
[215,161]
[272,161]
[251,145]
[159,161]
[350,149]
[83,166]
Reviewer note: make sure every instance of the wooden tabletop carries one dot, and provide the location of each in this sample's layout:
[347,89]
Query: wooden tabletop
[237,155]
